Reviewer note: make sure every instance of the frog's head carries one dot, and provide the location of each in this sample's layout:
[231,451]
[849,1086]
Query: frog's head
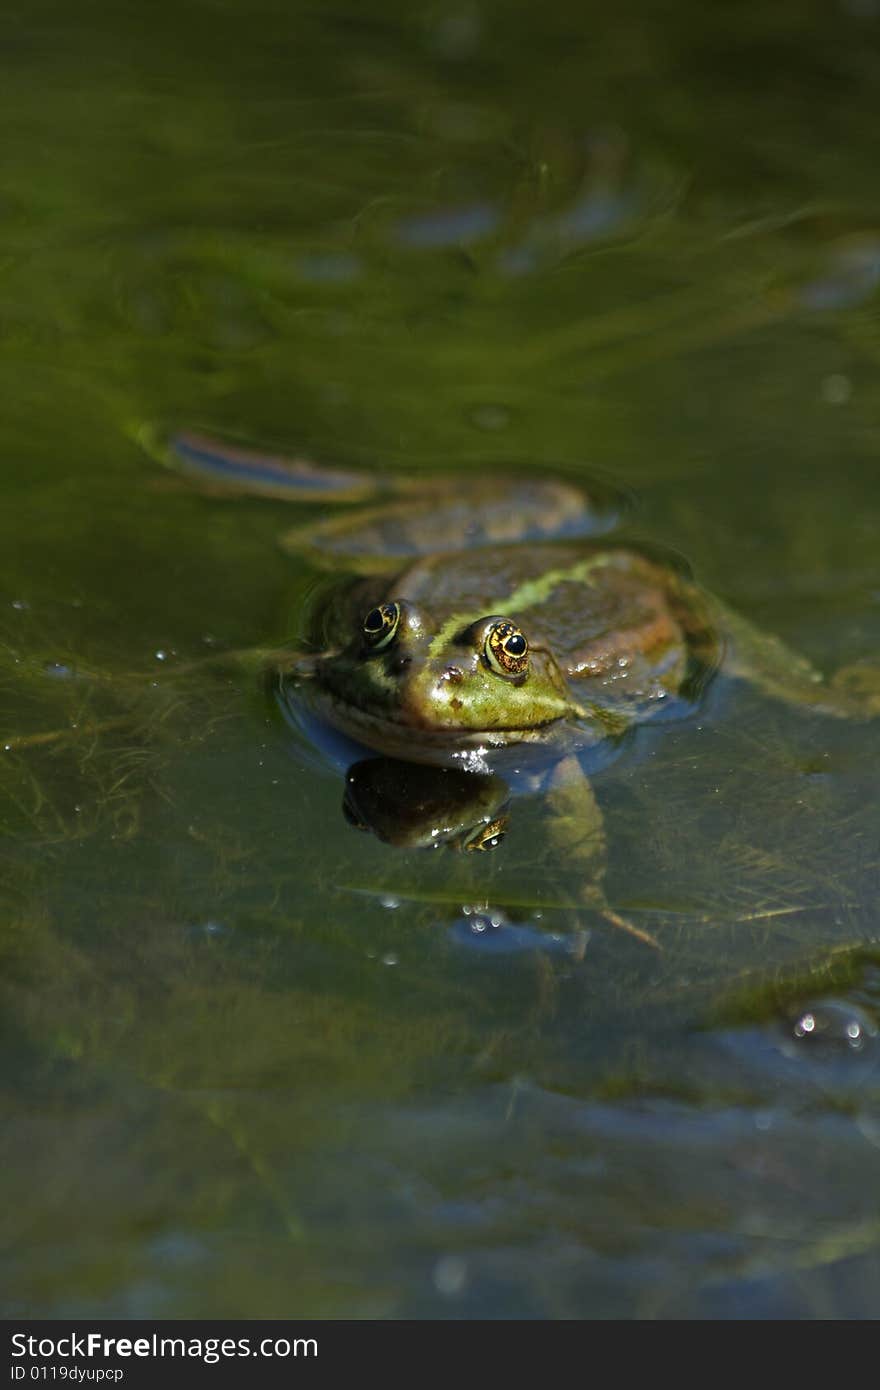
[406,685]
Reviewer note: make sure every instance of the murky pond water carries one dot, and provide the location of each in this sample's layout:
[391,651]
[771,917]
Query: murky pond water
[257,1063]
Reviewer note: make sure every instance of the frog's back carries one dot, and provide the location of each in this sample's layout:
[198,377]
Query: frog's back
[627,627]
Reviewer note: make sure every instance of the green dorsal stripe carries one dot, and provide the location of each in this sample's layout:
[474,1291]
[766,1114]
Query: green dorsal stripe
[528,595]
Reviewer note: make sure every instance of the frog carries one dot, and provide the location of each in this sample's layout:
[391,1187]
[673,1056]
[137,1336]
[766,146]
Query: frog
[494,625]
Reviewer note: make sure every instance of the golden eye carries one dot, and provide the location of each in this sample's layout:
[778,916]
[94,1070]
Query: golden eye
[506,649]
[380,625]
[489,836]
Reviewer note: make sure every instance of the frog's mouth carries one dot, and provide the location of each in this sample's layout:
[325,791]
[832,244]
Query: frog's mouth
[400,737]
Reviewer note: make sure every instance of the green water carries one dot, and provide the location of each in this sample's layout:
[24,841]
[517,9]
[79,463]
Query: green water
[641,244]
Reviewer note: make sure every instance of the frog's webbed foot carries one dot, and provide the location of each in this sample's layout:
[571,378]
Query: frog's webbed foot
[592,898]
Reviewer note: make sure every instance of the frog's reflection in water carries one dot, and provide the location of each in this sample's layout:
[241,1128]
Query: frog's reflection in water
[423,807]
[418,806]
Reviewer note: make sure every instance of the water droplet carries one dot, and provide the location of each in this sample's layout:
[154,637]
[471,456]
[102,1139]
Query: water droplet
[450,1275]
[835,1024]
[207,931]
[491,931]
[389,958]
[390,902]
[836,389]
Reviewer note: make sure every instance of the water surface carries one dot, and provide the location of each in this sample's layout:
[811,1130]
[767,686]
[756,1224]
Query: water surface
[256,1063]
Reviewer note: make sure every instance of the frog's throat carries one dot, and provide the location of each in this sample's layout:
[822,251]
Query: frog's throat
[528,595]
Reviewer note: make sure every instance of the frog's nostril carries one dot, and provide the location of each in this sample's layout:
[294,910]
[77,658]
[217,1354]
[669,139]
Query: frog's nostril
[399,665]
[454,675]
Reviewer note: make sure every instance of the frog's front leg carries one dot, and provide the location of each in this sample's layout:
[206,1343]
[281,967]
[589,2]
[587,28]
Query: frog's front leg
[577,835]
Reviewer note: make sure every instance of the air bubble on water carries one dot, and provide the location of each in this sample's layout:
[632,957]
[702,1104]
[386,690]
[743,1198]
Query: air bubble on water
[390,902]
[483,921]
[835,1023]
[490,930]
[389,958]
[161,656]
[450,1275]
[58,671]
[211,930]
[20,604]
[836,389]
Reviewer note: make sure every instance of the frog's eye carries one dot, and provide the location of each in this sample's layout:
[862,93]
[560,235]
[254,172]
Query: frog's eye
[380,625]
[506,649]
[489,836]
